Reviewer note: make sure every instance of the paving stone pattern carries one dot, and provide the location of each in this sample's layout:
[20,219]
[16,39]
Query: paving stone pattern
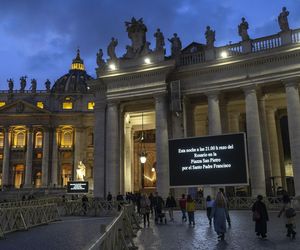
[177,235]
[72,233]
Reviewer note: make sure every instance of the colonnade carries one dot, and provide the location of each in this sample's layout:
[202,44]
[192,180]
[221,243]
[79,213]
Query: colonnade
[257,135]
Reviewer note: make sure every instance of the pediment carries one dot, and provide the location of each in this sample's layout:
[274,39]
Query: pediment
[22,107]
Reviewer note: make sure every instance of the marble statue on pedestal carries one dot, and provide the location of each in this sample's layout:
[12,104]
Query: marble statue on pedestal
[80,171]
[283,20]
[243,30]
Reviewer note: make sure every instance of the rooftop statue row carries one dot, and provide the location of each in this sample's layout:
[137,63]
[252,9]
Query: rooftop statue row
[136,30]
[23,85]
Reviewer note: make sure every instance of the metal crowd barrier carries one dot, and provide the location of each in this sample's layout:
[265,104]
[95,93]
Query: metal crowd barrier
[34,202]
[120,232]
[25,217]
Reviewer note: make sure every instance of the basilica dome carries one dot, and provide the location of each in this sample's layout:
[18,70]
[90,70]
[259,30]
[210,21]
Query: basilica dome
[75,80]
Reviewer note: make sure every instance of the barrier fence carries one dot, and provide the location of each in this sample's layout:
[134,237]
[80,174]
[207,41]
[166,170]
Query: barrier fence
[120,232]
[25,217]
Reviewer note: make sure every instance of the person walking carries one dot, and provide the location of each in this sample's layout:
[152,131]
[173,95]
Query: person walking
[227,208]
[260,216]
[218,213]
[289,216]
[84,204]
[158,204]
[209,206]
[182,205]
[170,205]
[145,209]
[190,208]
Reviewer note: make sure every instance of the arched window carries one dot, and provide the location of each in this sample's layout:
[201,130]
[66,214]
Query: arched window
[20,139]
[38,139]
[67,139]
[1,140]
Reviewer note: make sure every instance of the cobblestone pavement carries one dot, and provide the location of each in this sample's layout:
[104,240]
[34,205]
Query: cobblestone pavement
[71,233]
[177,235]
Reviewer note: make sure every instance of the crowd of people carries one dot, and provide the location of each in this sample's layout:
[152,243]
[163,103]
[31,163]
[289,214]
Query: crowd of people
[217,211]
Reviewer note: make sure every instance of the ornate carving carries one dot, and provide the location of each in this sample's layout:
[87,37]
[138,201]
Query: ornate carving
[20,107]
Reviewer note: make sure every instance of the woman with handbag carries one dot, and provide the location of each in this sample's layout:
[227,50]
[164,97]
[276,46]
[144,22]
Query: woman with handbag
[145,209]
[260,216]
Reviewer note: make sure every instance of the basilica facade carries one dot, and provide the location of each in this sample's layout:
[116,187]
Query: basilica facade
[142,99]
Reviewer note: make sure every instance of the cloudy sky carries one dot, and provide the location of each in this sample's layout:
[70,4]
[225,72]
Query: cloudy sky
[39,38]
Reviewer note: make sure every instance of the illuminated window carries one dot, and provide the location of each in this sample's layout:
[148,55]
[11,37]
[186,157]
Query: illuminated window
[2,104]
[67,138]
[38,140]
[91,105]
[1,140]
[40,105]
[19,139]
[68,98]
[1,156]
[67,105]
[39,155]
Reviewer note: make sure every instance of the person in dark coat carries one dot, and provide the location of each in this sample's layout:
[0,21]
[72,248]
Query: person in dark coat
[260,216]
[158,204]
[170,205]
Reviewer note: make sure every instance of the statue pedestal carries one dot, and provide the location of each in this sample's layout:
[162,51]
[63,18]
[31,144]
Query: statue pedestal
[286,37]
[210,54]
[246,46]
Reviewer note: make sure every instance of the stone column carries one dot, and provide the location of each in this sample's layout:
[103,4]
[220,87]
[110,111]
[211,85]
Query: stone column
[28,169]
[127,154]
[54,172]
[6,158]
[214,118]
[77,151]
[99,149]
[265,143]
[214,128]
[255,151]
[188,119]
[274,148]
[45,160]
[112,149]
[293,109]
[162,152]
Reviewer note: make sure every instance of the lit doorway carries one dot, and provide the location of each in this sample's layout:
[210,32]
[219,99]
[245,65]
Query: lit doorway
[19,175]
[66,174]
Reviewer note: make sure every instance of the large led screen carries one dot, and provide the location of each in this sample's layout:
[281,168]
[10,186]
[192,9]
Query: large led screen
[209,160]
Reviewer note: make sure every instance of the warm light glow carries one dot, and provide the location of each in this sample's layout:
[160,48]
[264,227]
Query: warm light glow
[91,105]
[1,140]
[153,169]
[2,104]
[147,60]
[143,159]
[77,66]
[224,54]
[40,105]
[112,66]
[150,179]
[38,140]
[67,105]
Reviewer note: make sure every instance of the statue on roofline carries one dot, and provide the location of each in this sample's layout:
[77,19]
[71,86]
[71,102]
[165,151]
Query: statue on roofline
[100,61]
[160,40]
[283,20]
[111,49]
[22,83]
[33,85]
[48,85]
[243,30]
[10,85]
[210,37]
[175,45]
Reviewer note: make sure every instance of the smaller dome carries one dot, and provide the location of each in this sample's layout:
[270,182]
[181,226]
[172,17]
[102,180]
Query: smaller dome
[75,80]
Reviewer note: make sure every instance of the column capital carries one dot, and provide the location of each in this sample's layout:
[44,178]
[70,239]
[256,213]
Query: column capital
[29,128]
[213,94]
[291,82]
[160,96]
[46,129]
[250,89]
[113,103]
